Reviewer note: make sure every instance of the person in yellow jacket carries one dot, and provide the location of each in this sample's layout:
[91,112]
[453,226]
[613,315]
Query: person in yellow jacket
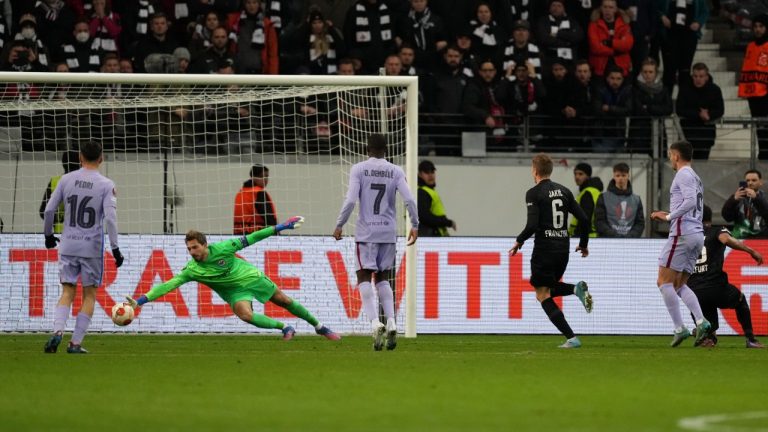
[432,219]
[590,189]
[70,160]
[753,80]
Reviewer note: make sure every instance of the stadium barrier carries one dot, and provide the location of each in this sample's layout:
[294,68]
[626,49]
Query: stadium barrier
[465,285]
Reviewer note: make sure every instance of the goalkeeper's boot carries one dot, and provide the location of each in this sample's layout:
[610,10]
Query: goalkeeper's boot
[288,332]
[582,292]
[679,337]
[378,331]
[754,344]
[53,343]
[573,342]
[391,334]
[702,331]
[76,349]
[328,333]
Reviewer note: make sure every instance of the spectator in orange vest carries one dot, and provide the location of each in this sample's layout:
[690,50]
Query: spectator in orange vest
[754,76]
[254,209]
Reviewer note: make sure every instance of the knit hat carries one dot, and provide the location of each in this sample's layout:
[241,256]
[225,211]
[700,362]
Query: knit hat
[182,53]
[27,19]
[583,167]
[426,166]
[315,15]
[521,24]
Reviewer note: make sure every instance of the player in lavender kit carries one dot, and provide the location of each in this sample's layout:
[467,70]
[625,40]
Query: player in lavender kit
[89,201]
[686,238]
[374,183]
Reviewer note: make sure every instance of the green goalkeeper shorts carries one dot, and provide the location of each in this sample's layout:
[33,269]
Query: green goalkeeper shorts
[262,290]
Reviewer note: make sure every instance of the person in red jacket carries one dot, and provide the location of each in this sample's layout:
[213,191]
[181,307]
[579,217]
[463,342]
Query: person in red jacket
[254,208]
[610,39]
[256,40]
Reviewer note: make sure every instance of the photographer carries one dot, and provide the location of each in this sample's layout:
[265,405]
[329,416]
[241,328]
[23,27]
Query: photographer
[747,208]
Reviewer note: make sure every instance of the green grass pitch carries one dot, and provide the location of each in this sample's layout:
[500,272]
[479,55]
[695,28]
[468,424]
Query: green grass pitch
[432,383]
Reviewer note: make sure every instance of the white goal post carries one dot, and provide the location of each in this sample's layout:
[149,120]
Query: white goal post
[180,145]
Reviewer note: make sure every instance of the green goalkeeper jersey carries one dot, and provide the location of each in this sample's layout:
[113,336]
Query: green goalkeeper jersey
[222,271]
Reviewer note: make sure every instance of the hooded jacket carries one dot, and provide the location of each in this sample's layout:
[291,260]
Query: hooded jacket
[619,213]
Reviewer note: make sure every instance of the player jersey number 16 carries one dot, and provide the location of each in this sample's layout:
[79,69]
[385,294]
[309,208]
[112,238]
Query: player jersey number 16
[81,215]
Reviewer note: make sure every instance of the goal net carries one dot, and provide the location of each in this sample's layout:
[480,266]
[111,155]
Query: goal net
[179,147]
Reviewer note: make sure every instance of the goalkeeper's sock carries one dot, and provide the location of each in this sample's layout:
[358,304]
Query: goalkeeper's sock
[561,289]
[300,311]
[557,317]
[60,318]
[370,305]
[387,298]
[265,322]
[82,323]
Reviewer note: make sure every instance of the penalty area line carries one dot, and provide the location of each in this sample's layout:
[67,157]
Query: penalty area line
[718,422]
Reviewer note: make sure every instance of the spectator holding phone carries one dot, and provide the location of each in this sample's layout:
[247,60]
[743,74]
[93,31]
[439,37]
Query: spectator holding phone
[747,208]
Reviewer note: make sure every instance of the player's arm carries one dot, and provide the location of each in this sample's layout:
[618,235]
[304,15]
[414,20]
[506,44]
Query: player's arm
[353,192]
[49,214]
[109,203]
[584,222]
[410,205]
[689,193]
[158,291]
[531,224]
[727,239]
[235,244]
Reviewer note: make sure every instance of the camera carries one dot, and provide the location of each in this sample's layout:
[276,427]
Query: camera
[742,184]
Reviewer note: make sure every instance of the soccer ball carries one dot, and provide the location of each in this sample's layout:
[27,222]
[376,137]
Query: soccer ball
[122,314]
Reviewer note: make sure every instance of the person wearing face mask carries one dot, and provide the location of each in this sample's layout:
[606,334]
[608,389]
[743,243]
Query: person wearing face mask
[28,34]
[77,51]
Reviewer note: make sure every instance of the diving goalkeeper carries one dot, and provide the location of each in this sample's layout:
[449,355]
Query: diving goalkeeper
[237,281]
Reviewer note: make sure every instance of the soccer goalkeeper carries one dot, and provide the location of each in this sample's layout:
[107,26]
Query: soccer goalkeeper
[237,281]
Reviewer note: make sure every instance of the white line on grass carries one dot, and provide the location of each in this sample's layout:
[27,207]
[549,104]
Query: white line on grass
[715,422]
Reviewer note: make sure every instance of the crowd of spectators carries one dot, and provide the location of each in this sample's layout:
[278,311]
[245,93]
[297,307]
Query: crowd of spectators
[575,64]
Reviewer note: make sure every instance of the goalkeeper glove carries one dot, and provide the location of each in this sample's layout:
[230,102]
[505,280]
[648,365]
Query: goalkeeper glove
[137,303]
[118,257]
[50,241]
[291,223]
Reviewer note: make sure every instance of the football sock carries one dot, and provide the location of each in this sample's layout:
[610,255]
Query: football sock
[370,305]
[386,298]
[60,318]
[745,318]
[557,317]
[263,321]
[673,304]
[691,301]
[300,311]
[561,289]
[81,326]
